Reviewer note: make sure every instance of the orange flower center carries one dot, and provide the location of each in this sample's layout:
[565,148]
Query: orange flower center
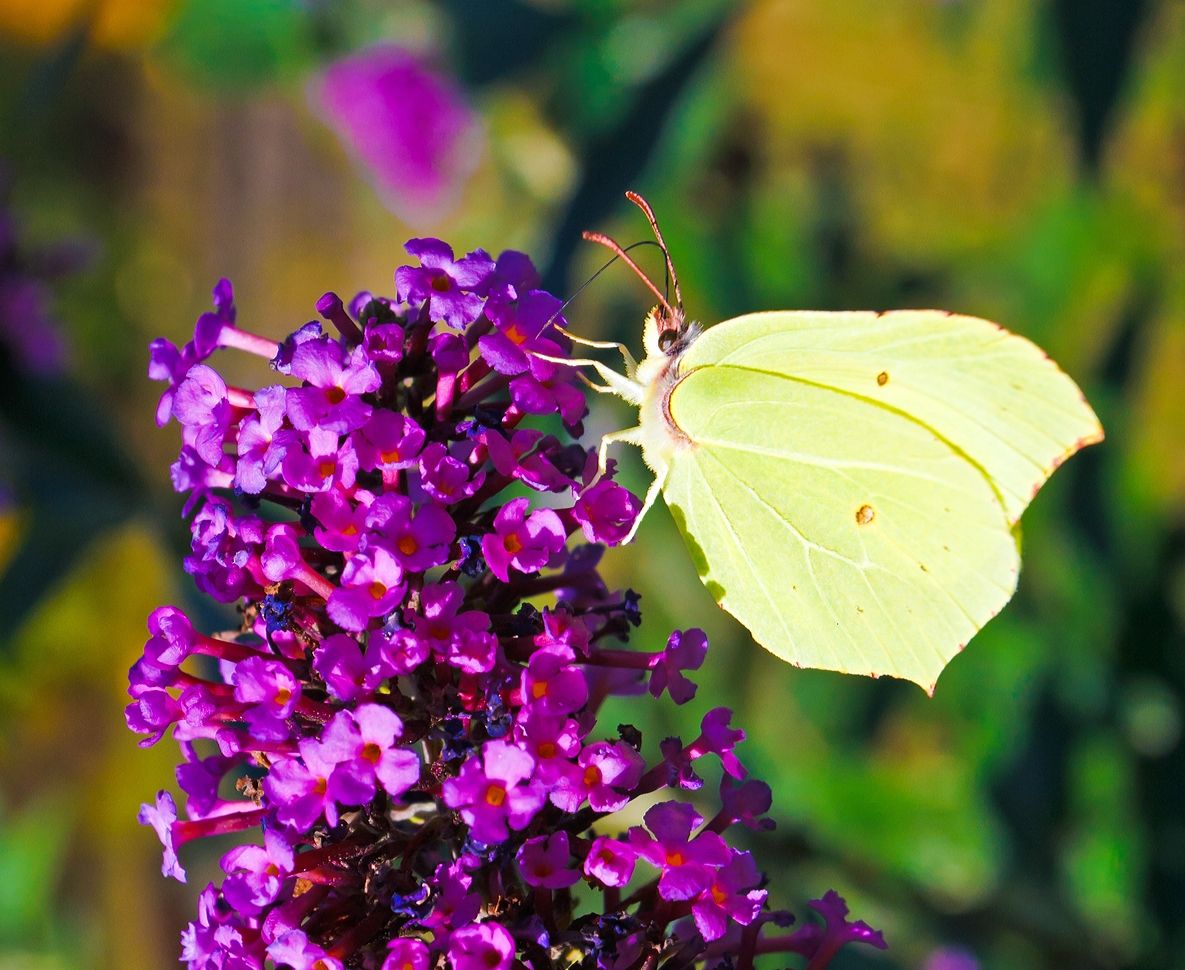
[441,284]
[390,456]
[321,787]
[675,858]
[283,695]
[439,631]
[335,395]
[408,545]
[372,752]
[546,750]
[378,590]
[515,336]
[538,689]
[719,895]
[495,795]
[592,775]
[350,530]
[326,468]
[511,544]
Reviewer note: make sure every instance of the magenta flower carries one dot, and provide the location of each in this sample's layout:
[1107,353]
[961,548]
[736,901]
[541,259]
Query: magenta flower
[341,523]
[173,638]
[388,442]
[730,896]
[224,548]
[161,817]
[522,541]
[520,325]
[526,457]
[481,946]
[746,803]
[610,861]
[716,737]
[331,398]
[450,287]
[363,747]
[450,352]
[820,945]
[438,624]
[372,585]
[551,685]
[409,126]
[562,629]
[543,861]
[444,477]
[300,791]
[418,542]
[256,873]
[546,389]
[401,650]
[320,462]
[455,905]
[687,865]
[273,690]
[684,651]
[405,953]
[294,949]
[201,406]
[496,791]
[152,713]
[550,739]
[603,774]
[606,512]
[348,675]
[261,441]
[167,363]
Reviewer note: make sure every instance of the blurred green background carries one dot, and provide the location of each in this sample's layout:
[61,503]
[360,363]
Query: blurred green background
[1022,160]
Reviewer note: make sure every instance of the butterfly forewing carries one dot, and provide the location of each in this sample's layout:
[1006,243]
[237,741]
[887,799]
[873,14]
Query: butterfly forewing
[843,534]
[994,396]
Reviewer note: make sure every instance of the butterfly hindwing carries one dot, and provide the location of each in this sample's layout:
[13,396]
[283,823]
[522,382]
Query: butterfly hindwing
[845,535]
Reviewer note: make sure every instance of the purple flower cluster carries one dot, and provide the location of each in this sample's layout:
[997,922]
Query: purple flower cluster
[416,741]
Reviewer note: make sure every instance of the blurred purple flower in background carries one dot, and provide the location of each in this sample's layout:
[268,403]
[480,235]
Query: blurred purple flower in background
[411,127]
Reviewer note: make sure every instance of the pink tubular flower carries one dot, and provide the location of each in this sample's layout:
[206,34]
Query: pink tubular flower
[440,626]
[551,685]
[274,691]
[522,541]
[550,739]
[687,865]
[520,326]
[544,862]
[348,674]
[320,462]
[481,946]
[606,512]
[372,585]
[716,737]
[445,478]
[261,442]
[363,747]
[173,638]
[409,126]
[418,542]
[604,773]
[299,791]
[450,287]
[388,442]
[684,651]
[729,897]
[610,861]
[341,524]
[294,949]
[256,872]
[404,953]
[491,792]
[332,400]
[161,817]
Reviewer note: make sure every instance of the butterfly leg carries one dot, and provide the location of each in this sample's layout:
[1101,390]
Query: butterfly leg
[631,365]
[624,387]
[630,436]
[647,503]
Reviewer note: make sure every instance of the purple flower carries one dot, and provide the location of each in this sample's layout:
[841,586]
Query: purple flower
[525,457]
[680,771]
[522,541]
[418,542]
[405,953]
[819,945]
[167,363]
[449,287]
[547,388]
[388,442]
[151,713]
[372,585]
[491,792]
[224,547]
[729,896]
[332,399]
[746,802]
[363,745]
[202,407]
[173,638]
[684,651]
[687,865]
[440,626]
[401,650]
[455,904]
[544,862]
[208,329]
[294,949]
[606,512]
[300,791]
[600,772]
[261,442]
[348,675]
[161,817]
[610,861]
[551,685]
[444,478]
[716,737]
[274,691]
[562,629]
[450,352]
[481,946]
[323,464]
[200,778]
[383,343]
[519,327]
[256,873]
[342,524]
[550,739]
[409,126]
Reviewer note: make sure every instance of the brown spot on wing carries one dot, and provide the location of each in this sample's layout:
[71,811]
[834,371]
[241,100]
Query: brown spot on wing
[865,514]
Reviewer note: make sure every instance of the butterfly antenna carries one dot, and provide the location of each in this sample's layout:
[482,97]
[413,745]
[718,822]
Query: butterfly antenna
[620,253]
[645,207]
[585,284]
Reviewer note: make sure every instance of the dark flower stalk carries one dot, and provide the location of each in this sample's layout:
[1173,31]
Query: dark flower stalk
[417,743]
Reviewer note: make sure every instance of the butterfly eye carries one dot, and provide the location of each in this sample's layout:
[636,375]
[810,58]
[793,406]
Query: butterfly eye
[666,339]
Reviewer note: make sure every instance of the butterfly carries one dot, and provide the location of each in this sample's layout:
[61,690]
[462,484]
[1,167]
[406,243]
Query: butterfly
[848,484]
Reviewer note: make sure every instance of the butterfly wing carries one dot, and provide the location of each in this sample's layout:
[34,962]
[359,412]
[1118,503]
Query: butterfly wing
[992,395]
[856,532]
